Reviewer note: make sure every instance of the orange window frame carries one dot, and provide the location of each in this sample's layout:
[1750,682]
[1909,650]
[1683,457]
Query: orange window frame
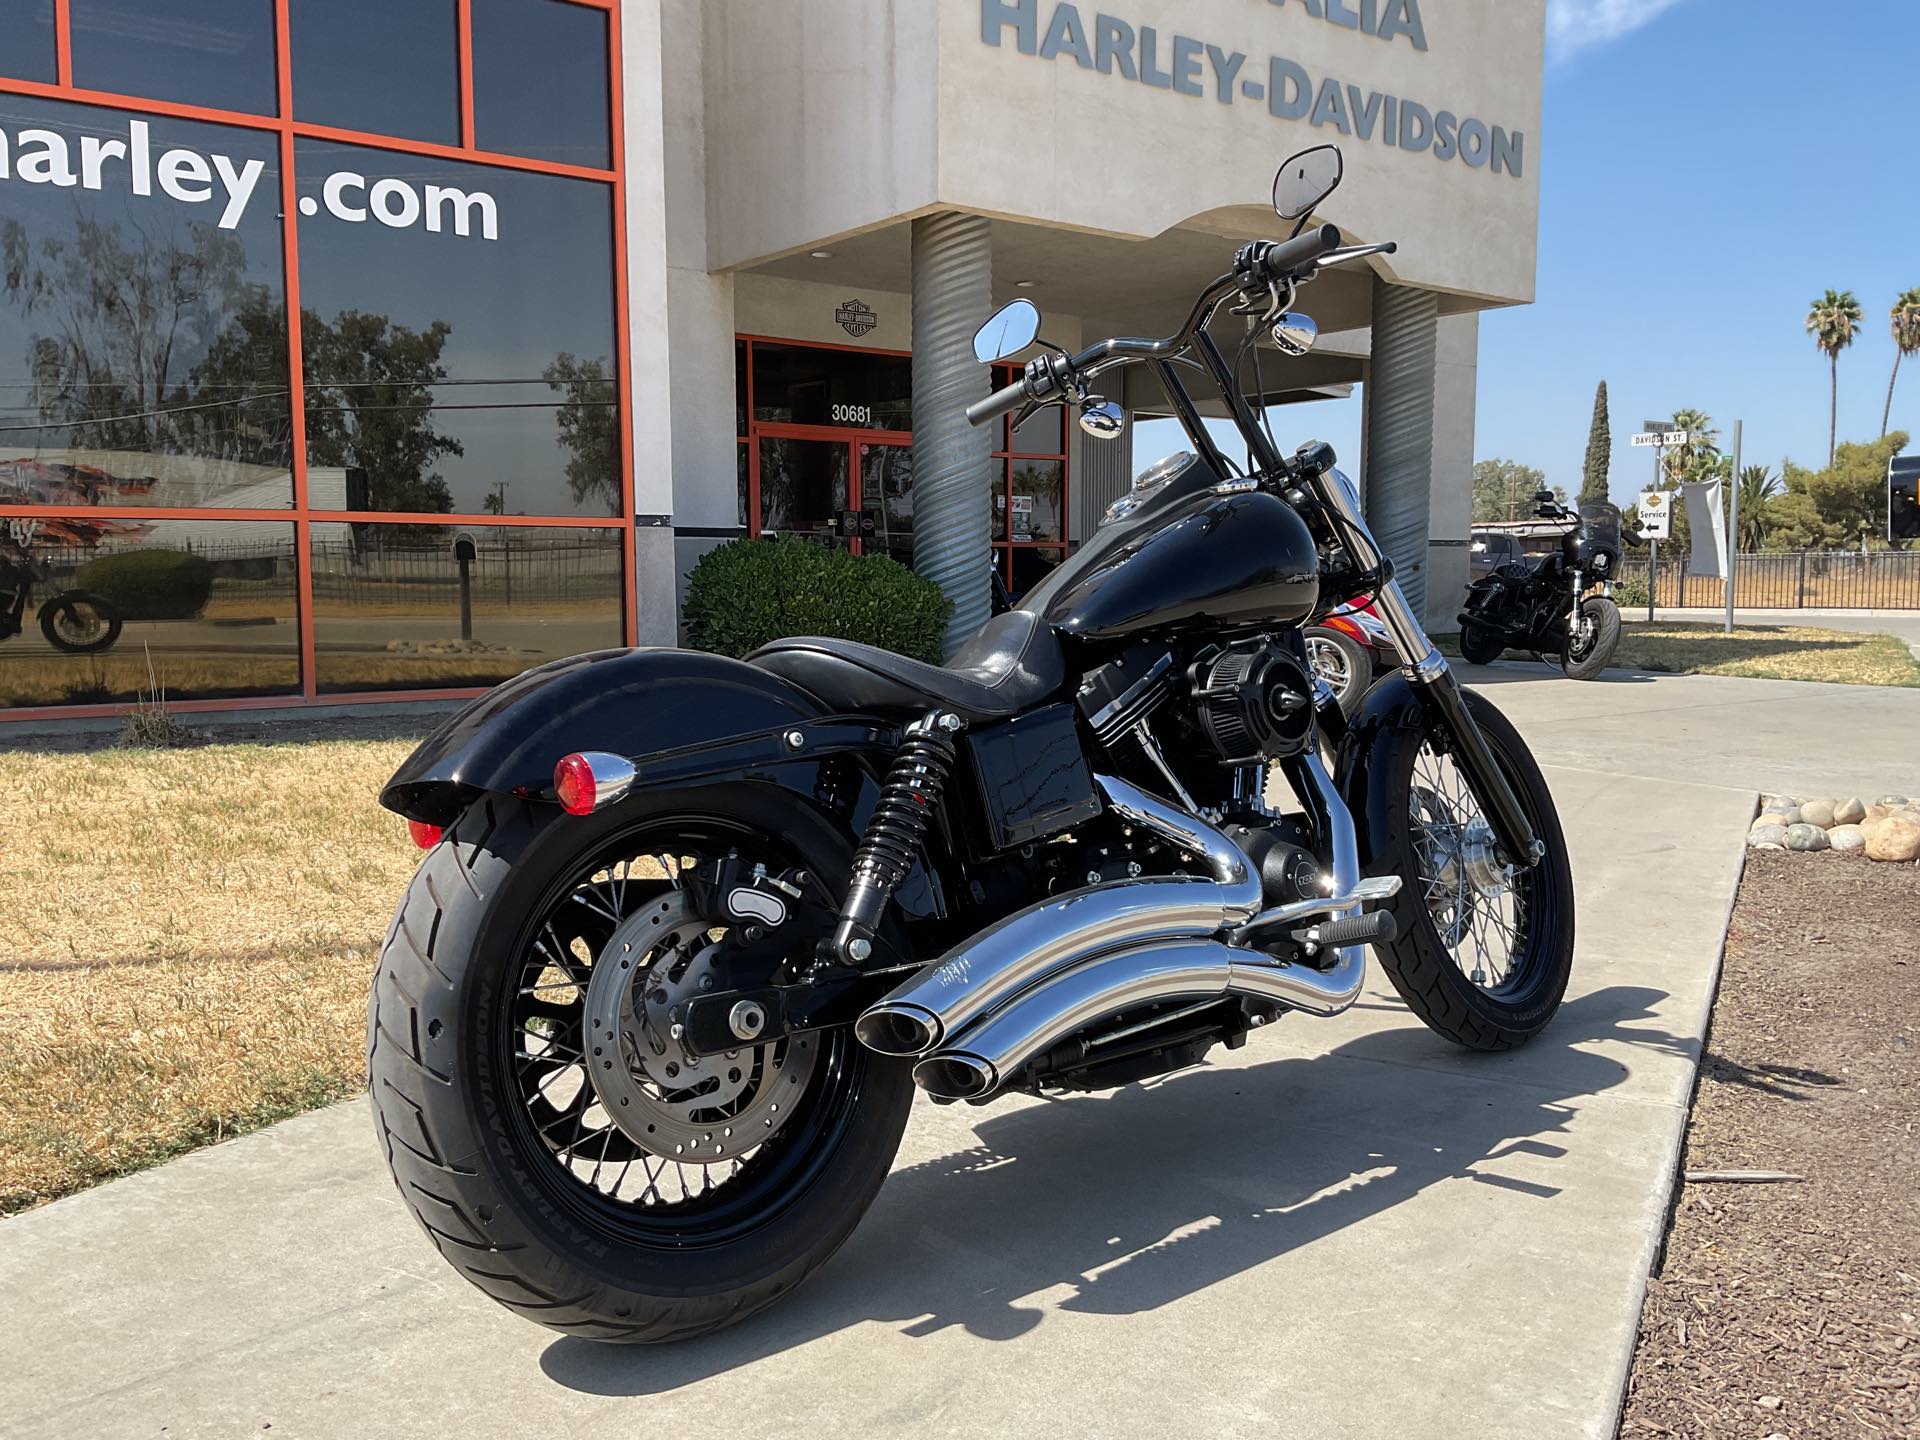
[301,515]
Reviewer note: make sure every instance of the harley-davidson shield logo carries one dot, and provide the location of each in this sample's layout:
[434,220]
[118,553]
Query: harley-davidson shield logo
[856,317]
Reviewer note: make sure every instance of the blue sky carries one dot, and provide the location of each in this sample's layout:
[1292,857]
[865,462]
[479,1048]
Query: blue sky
[1708,167]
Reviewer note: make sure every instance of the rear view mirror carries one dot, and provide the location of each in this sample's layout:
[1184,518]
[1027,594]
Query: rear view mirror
[1305,180]
[1013,328]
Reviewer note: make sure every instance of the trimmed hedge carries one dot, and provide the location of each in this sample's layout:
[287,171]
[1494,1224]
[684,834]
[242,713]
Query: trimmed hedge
[150,584]
[748,592]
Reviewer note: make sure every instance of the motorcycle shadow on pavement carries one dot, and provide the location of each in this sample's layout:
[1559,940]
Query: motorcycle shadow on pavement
[1121,1203]
[1515,669]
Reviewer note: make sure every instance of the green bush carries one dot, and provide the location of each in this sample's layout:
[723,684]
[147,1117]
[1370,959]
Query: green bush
[748,592]
[150,584]
[1630,594]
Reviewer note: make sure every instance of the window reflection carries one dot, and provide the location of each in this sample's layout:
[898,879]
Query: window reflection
[450,372]
[87,605]
[1035,503]
[813,385]
[143,352]
[388,67]
[541,79]
[213,53]
[396,608]
[26,40]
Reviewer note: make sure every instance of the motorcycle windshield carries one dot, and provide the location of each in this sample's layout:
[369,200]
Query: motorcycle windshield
[1600,526]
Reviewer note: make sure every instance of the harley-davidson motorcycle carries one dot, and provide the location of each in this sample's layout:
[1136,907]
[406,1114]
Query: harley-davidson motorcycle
[689,930]
[1542,603]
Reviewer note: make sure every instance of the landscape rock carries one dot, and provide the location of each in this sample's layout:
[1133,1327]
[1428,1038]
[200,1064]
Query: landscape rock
[1847,839]
[1789,816]
[1896,838]
[1893,802]
[1778,804]
[1819,812]
[1849,812]
[1806,837]
[1768,837]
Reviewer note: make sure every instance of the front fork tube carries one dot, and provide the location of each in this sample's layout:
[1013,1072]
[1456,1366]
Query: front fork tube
[1439,690]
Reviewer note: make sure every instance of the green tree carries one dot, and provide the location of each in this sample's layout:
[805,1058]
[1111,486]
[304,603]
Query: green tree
[1504,489]
[588,420]
[1847,500]
[1905,320]
[1759,487]
[1593,474]
[1699,458]
[1834,322]
[370,406]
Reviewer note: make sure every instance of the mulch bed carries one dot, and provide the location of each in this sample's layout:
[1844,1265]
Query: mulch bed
[1793,1309]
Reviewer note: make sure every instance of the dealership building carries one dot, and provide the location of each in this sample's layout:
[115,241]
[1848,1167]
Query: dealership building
[363,349]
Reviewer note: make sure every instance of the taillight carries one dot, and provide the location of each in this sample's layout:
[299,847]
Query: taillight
[424,835]
[590,780]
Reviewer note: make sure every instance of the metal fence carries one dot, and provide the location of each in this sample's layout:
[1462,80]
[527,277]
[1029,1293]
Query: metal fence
[1799,580]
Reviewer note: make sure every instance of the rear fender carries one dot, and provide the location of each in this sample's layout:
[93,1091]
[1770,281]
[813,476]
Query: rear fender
[635,703]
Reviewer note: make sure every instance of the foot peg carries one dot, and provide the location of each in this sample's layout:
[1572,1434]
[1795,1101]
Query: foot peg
[1375,929]
[1376,891]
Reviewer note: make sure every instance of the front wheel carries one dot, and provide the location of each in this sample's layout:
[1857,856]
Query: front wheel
[79,623]
[1594,638]
[1484,950]
[559,1145]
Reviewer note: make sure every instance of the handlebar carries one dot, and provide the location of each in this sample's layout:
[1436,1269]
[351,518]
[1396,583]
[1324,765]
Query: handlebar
[1291,259]
[1010,397]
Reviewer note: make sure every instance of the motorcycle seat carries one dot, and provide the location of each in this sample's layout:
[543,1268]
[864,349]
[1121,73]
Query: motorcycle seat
[1012,663]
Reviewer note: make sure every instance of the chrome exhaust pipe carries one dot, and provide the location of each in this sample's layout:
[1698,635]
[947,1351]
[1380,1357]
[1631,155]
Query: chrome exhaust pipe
[986,1055]
[1029,945]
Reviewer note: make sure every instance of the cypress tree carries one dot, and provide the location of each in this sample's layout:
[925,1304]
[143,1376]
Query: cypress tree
[1593,479]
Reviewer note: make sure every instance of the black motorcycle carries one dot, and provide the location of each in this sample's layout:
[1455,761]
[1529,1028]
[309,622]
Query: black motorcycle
[689,930]
[1542,604]
[72,620]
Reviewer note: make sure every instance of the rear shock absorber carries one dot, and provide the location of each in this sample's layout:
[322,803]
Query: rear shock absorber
[908,802]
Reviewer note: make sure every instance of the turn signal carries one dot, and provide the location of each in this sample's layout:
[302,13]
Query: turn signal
[424,835]
[590,780]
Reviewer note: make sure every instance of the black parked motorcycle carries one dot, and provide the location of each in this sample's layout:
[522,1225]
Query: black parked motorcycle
[1541,604]
[72,620]
[689,930]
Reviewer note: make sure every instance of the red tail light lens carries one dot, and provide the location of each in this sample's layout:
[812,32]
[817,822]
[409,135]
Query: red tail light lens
[424,835]
[573,782]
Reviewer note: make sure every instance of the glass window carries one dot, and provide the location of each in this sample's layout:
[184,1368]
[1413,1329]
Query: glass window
[396,607]
[218,54]
[1043,432]
[804,485]
[740,387]
[741,479]
[807,385]
[540,81]
[143,345]
[388,67]
[87,604]
[458,330]
[26,40]
[1034,505]
[1029,565]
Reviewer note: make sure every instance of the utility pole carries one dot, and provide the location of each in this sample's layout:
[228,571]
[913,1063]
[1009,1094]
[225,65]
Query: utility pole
[1733,525]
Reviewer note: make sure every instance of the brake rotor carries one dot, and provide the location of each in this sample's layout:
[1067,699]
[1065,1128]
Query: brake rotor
[701,1109]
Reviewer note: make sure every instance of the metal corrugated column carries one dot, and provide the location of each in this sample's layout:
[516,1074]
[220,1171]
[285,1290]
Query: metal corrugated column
[1399,479]
[952,295]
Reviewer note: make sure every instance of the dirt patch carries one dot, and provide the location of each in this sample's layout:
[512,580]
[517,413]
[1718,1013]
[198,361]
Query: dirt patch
[1794,1309]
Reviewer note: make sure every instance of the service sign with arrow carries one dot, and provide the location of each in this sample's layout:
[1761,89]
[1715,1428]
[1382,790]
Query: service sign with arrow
[1656,514]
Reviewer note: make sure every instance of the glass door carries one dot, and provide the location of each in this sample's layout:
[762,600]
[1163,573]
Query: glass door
[804,486]
[886,492]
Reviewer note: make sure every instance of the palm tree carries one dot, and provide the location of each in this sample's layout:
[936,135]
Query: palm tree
[1834,321]
[1758,487]
[1686,462]
[1906,340]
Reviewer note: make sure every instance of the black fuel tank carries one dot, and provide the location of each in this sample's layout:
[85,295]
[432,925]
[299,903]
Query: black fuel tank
[1206,558]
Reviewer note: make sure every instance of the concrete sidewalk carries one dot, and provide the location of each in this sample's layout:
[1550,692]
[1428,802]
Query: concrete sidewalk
[1347,1228]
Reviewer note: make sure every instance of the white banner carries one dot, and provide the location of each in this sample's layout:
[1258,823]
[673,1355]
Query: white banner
[1707,524]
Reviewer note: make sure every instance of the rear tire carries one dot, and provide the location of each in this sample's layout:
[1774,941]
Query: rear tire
[1343,663]
[79,623]
[449,1109]
[1478,645]
[1588,662]
[1499,1011]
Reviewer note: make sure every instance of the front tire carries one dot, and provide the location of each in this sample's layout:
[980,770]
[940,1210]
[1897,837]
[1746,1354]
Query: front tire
[1591,645]
[79,623]
[471,1140]
[1486,970]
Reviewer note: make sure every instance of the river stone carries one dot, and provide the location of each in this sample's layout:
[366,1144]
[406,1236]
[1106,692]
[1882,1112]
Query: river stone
[1818,812]
[1897,838]
[1806,837]
[1778,802]
[1847,838]
[1782,818]
[1893,802]
[1849,812]
[1768,837]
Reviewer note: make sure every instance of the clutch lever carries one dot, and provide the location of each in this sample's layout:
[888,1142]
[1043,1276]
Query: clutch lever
[1356,252]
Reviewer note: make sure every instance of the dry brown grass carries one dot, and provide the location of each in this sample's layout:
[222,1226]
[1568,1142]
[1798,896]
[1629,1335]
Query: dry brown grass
[186,940]
[1764,652]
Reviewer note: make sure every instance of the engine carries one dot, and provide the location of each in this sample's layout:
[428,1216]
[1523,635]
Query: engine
[1253,701]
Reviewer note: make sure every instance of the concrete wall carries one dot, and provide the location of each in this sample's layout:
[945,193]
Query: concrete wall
[1456,382]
